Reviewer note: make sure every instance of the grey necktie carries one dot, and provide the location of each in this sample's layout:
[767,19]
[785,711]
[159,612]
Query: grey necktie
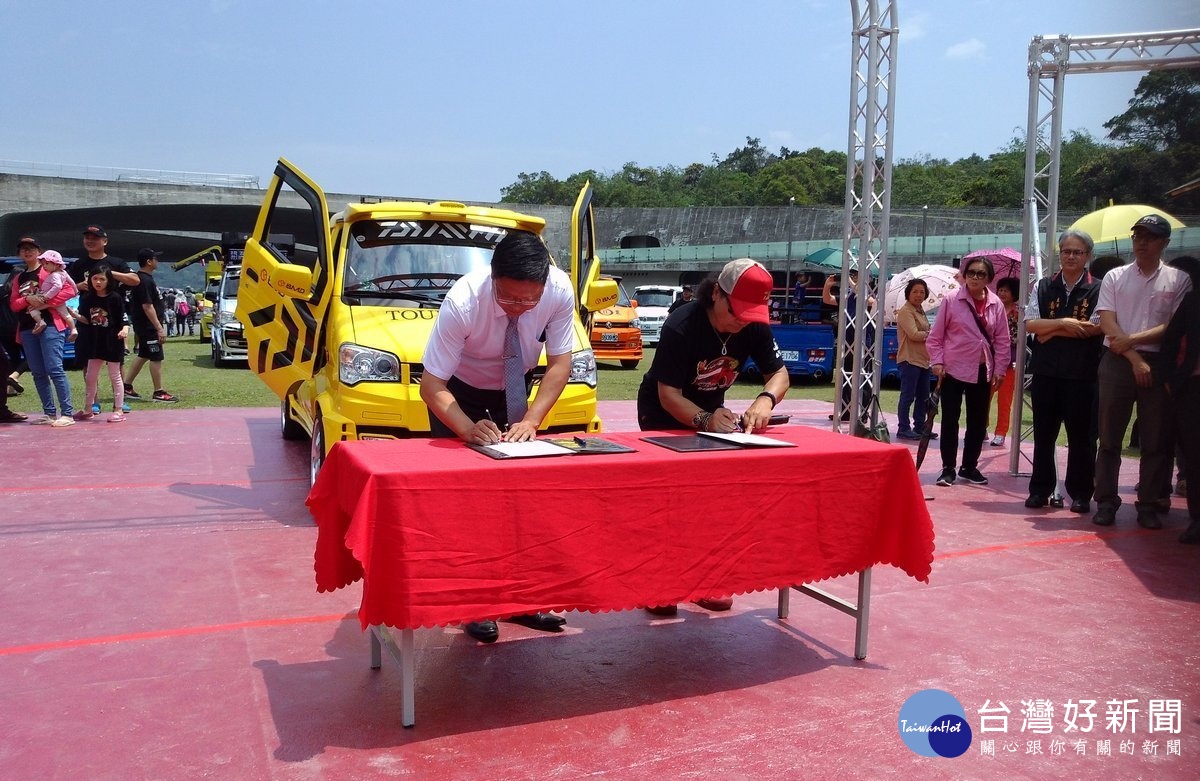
[515,397]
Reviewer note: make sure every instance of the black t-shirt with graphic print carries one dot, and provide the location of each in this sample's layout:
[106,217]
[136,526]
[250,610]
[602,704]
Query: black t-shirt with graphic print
[99,338]
[689,357]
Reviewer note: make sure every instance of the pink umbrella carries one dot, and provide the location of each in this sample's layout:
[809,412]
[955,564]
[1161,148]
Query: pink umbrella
[1006,261]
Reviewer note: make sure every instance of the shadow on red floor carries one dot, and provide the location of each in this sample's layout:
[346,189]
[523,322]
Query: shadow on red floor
[160,620]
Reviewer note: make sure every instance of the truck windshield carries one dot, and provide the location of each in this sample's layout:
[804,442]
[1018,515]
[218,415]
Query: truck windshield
[231,287]
[654,297]
[412,263]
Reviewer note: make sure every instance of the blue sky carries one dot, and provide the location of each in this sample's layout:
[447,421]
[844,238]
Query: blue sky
[455,99]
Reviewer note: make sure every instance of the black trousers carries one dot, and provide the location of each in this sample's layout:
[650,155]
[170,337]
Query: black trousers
[478,403]
[1055,403]
[5,370]
[1187,407]
[978,396]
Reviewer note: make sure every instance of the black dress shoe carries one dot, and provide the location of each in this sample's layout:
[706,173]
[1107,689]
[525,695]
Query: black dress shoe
[483,631]
[1081,506]
[1191,535]
[1147,518]
[1035,501]
[543,622]
[1106,515]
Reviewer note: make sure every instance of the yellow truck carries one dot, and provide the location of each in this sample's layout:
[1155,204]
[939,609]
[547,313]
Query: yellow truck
[338,330]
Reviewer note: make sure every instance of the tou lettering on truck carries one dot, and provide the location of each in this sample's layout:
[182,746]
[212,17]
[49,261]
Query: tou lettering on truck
[339,330]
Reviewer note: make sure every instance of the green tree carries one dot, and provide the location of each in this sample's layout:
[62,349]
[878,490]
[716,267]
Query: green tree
[1164,111]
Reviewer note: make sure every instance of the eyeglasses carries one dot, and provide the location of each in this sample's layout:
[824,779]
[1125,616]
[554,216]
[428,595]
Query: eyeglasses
[1070,252]
[528,303]
[976,274]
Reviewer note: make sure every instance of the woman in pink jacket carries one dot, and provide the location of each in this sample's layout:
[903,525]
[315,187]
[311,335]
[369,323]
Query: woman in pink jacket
[969,353]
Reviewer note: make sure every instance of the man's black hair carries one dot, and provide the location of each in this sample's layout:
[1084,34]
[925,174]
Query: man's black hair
[521,256]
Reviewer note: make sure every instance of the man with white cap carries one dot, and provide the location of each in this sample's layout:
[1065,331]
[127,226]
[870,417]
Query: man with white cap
[703,346]
[1136,303]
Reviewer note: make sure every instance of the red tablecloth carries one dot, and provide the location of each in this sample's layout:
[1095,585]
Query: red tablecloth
[442,534]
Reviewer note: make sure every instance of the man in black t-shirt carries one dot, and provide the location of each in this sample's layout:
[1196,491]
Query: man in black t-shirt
[146,314]
[703,346]
[95,244]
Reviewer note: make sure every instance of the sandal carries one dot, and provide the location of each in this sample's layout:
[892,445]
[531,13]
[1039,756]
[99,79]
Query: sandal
[8,416]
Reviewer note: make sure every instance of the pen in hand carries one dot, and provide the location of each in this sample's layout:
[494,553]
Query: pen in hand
[500,437]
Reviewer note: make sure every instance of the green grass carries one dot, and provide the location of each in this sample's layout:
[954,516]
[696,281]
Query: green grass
[187,373]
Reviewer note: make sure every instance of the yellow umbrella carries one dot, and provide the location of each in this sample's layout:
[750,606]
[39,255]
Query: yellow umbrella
[1114,222]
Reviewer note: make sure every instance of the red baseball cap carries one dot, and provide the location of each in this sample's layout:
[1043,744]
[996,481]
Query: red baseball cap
[748,285]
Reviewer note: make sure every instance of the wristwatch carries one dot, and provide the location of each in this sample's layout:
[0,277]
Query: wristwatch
[698,419]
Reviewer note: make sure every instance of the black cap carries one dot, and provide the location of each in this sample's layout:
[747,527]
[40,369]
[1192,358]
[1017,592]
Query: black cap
[146,255]
[28,240]
[95,229]
[1155,223]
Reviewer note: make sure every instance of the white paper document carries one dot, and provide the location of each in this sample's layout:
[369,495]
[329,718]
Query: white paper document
[529,449]
[746,440]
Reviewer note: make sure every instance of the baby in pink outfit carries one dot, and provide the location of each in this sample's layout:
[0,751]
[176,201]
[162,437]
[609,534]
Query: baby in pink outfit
[56,279]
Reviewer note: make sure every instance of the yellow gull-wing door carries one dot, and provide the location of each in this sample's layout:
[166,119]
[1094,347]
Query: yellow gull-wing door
[282,300]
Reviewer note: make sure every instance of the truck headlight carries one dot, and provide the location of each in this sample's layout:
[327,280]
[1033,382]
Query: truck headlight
[635,323]
[363,364]
[583,367]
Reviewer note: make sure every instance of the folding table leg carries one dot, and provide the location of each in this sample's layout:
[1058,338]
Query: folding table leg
[381,636]
[861,612]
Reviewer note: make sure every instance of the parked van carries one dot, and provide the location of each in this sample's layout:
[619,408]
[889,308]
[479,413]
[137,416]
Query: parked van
[228,339]
[653,302]
[616,334]
[338,332]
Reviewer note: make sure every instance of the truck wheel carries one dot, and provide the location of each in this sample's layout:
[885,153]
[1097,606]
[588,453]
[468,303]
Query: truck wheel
[630,363]
[288,428]
[316,452]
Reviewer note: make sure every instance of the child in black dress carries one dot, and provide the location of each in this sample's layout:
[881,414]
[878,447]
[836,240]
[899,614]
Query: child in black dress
[102,310]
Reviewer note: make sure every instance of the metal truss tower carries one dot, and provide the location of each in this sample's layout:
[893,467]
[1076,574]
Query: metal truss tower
[867,211]
[1051,60]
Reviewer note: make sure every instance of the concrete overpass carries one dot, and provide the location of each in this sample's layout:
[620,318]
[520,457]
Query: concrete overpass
[181,219]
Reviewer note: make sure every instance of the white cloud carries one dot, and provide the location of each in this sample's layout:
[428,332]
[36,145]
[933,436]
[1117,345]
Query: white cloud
[971,49]
[913,27]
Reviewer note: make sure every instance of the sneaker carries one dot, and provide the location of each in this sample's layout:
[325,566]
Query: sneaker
[62,422]
[972,476]
[997,441]
[96,408]
[43,420]
[116,417]
[84,414]
[130,393]
[162,395]
[125,407]
[946,477]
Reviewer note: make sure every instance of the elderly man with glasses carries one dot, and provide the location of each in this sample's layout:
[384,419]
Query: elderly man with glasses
[1066,353]
[1136,302]
[479,360]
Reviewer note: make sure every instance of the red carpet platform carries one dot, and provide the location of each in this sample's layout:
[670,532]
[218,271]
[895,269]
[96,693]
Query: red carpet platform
[160,620]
